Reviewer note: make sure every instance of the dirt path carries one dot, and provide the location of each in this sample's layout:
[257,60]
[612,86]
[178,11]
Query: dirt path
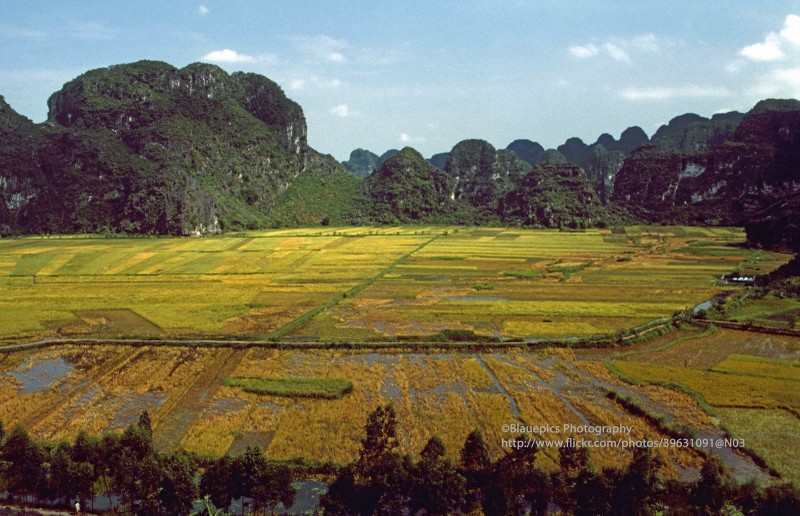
[174,419]
[554,391]
[512,402]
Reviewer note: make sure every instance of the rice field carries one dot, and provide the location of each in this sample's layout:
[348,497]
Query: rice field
[363,283]
[382,284]
[749,382]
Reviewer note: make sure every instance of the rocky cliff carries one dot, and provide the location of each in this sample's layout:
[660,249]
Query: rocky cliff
[758,165]
[146,147]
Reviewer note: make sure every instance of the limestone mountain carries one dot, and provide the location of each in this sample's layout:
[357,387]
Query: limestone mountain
[439,160]
[700,135]
[574,150]
[146,147]
[601,167]
[553,195]
[361,163]
[481,175]
[757,166]
[526,150]
[406,189]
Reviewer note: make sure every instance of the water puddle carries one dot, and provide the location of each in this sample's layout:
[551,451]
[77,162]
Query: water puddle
[40,375]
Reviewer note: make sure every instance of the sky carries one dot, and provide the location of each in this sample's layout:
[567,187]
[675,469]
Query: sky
[428,74]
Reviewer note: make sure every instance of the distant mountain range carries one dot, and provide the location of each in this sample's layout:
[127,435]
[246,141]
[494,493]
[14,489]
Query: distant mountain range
[149,148]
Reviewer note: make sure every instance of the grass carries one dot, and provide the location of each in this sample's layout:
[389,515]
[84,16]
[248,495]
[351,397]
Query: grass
[325,388]
[772,434]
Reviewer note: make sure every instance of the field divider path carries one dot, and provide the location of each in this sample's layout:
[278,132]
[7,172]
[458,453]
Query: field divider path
[112,366]
[306,317]
[553,390]
[175,420]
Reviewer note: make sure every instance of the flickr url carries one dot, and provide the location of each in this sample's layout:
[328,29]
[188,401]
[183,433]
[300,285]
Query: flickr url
[664,442]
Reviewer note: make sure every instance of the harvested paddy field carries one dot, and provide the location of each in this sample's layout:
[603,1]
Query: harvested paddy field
[364,283]
[101,387]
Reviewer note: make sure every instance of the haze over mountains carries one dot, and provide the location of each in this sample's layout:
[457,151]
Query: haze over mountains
[149,148]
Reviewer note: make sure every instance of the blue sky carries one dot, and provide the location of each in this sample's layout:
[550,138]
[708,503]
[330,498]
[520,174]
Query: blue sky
[429,74]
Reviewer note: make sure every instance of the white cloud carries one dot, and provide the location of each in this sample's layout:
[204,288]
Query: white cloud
[314,81]
[767,50]
[781,82]
[91,31]
[791,29]
[227,56]
[20,33]
[616,53]
[774,45]
[669,92]
[406,138]
[584,51]
[341,110]
[203,10]
[647,43]
[322,47]
[297,84]
[620,49]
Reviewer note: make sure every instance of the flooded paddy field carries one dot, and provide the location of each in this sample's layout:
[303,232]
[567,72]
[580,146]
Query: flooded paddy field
[58,391]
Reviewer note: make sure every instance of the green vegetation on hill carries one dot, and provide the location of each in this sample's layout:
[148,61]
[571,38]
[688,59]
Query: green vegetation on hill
[324,194]
[148,148]
[406,189]
[554,195]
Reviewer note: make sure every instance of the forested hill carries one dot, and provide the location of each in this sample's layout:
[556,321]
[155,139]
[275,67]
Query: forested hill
[150,148]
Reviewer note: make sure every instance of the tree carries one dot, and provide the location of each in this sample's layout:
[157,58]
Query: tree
[380,478]
[713,488]
[176,488]
[640,485]
[438,487]
[381,434]
[573,461]
[218,483]
[24,458]
[522,486]
[137,472]
[265,484]
[474,466]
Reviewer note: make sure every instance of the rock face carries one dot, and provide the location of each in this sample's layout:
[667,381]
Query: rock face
[554,195]
[481,175]
[757,166]
[574,150]
[361,163]
[601,167]
[146,147]
[526,150]
[406,188]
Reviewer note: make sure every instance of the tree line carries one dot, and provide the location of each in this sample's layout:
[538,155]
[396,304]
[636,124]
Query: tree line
[382,480]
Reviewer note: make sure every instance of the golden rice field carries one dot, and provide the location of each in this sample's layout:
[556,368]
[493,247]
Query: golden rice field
[378,284]
[363,283]
[64,388]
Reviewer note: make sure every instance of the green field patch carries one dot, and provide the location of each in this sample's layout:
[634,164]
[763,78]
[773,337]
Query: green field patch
[772,434]
[523,274]
[758,366]
[719,389]
[325,388]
